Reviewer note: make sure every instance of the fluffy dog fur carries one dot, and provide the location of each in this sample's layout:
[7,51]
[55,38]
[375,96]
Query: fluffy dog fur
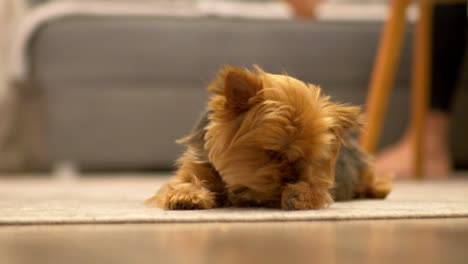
[271,141]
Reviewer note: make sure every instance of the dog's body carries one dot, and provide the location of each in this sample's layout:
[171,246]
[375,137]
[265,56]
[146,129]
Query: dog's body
[271,141]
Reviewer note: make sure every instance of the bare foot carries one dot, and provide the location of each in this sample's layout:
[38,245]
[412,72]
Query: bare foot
[305,9]
[397,158]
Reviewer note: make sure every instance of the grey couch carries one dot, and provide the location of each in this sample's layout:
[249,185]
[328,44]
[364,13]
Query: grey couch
[115,92]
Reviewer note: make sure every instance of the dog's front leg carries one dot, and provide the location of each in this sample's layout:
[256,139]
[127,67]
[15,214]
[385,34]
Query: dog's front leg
[312,190]
[303,196]
[194,186]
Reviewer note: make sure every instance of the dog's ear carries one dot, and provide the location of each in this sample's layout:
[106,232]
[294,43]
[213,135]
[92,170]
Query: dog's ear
[340,117]
[346,117]
[239,87]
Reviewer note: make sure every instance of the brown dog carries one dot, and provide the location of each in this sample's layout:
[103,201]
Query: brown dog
[271,141]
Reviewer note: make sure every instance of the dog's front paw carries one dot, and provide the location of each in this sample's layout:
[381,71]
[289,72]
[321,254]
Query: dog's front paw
[301,196]
[183,197]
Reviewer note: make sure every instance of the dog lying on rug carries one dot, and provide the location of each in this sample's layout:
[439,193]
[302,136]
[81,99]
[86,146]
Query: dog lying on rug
[273,141]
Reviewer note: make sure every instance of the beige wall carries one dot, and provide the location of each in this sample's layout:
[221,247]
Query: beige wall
[11,12]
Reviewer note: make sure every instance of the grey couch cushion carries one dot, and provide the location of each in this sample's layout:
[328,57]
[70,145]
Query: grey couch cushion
[119,91]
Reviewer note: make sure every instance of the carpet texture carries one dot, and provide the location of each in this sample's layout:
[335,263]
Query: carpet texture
[120,200]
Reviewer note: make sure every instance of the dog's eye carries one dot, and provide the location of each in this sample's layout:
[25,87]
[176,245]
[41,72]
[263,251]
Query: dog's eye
[274,155]
[240,190]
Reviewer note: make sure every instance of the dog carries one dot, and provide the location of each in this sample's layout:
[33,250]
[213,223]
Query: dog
[272,141]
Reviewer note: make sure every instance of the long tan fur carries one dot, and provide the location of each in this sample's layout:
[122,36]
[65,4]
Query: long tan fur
[269,140]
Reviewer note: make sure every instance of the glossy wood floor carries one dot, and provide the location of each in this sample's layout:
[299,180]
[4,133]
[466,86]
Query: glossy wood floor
[382,241]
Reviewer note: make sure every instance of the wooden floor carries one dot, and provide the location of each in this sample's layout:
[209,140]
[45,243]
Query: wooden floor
[376,241]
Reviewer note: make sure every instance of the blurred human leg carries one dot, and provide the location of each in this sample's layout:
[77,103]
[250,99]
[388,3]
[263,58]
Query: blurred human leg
[449,33]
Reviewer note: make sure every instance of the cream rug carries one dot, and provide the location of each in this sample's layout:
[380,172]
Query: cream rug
[120,200]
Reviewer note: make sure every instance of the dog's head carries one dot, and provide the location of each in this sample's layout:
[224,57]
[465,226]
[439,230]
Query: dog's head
[268,130]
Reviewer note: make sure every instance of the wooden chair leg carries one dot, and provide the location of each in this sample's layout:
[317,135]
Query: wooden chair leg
[420,82]
[383,74]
